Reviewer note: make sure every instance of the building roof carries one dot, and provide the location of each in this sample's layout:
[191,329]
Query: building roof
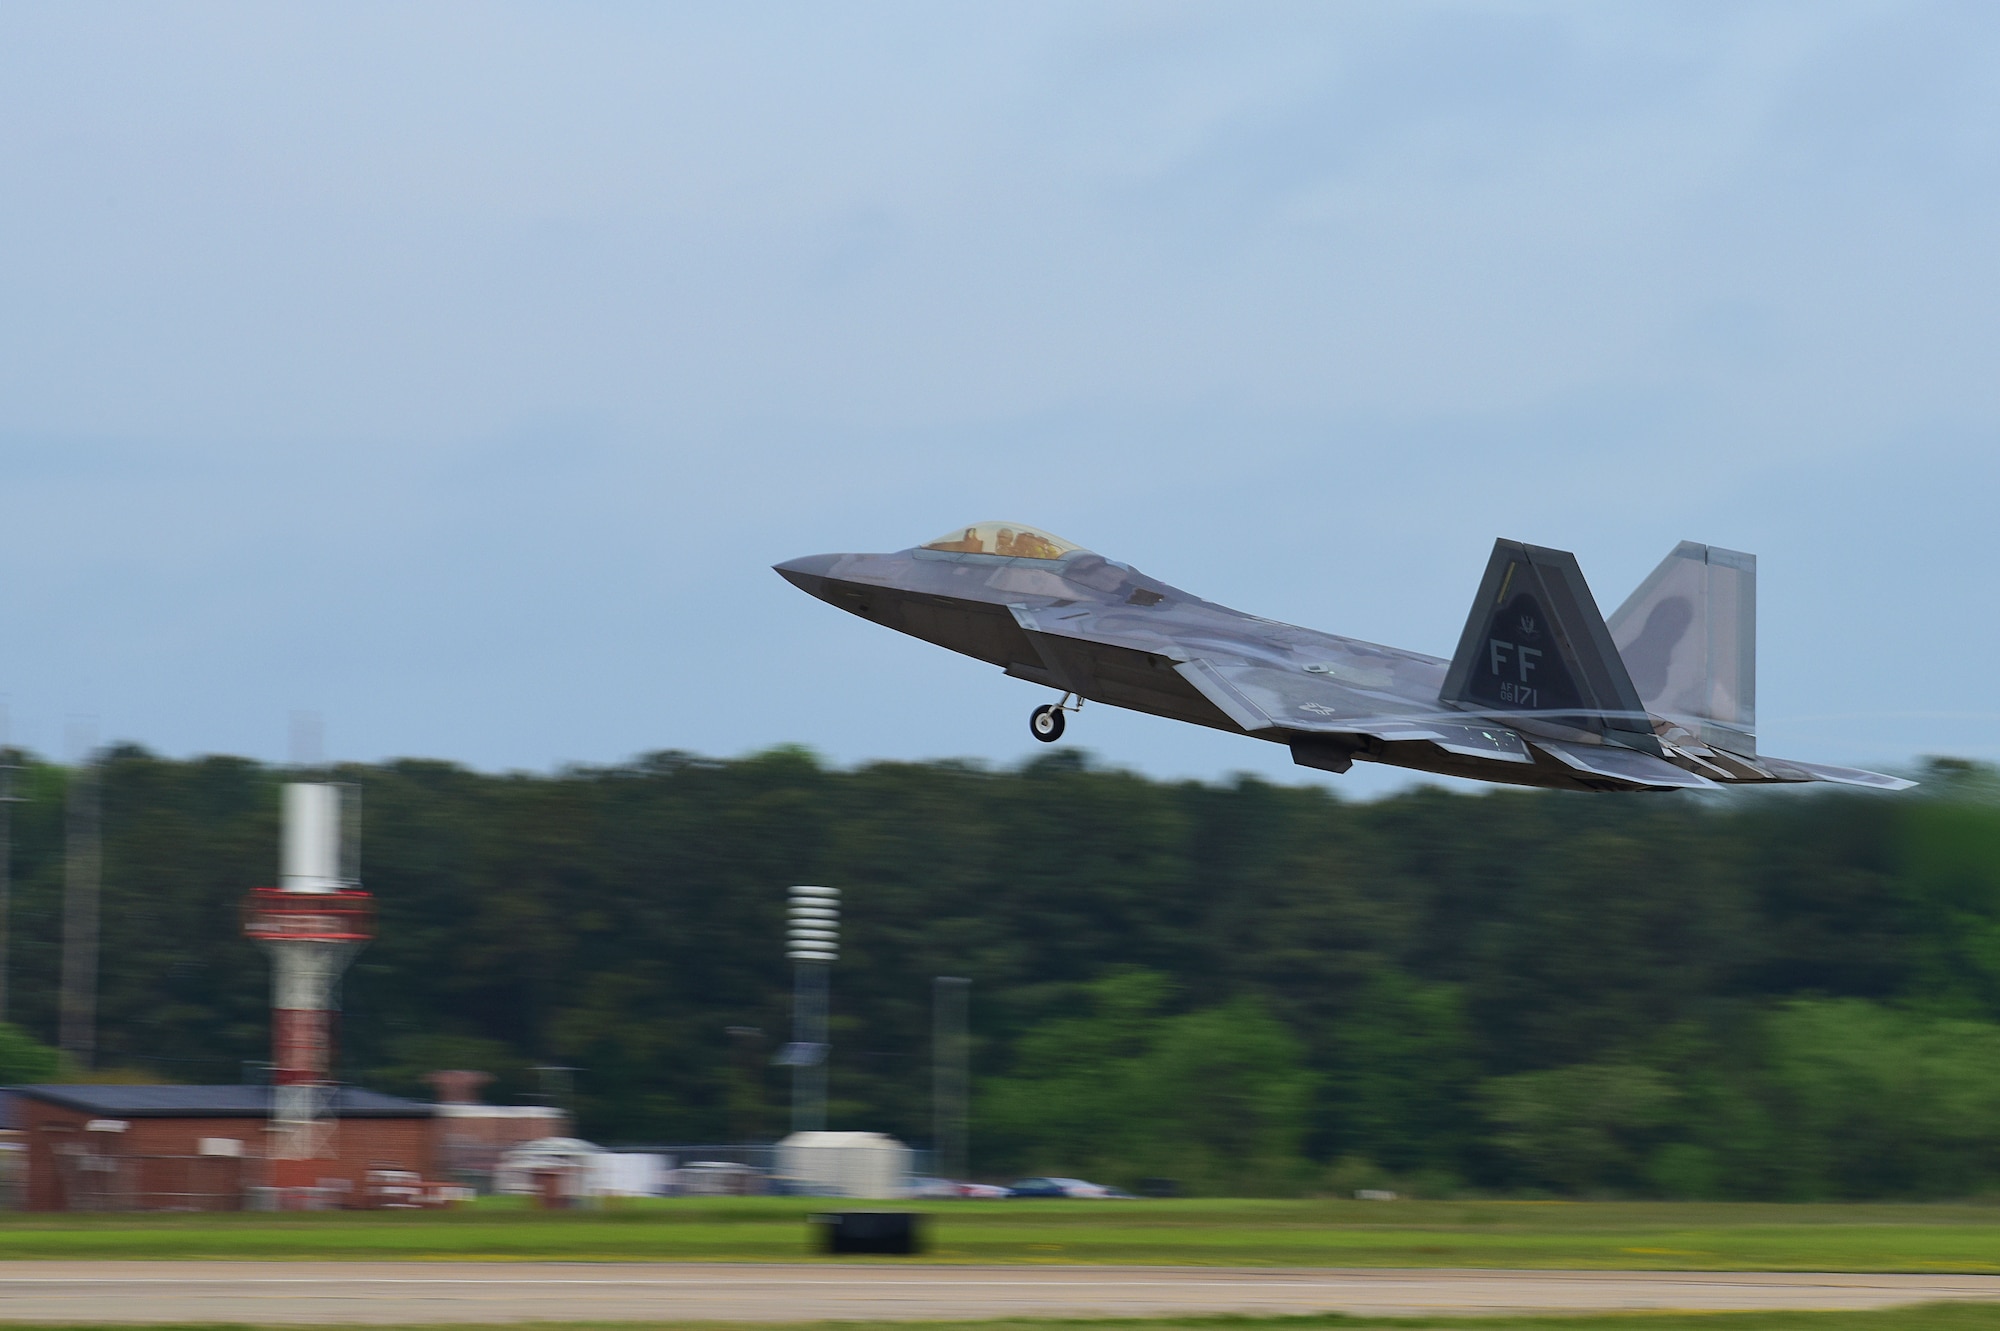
[235,1101]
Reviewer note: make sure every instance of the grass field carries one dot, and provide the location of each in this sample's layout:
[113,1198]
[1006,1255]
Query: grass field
[1548,1235]
[1926,1317]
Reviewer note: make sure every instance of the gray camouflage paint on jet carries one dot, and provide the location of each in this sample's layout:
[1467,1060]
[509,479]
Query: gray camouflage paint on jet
[1543,690]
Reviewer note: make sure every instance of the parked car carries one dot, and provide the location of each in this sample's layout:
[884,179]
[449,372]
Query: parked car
[936,1189]
[1057,1187]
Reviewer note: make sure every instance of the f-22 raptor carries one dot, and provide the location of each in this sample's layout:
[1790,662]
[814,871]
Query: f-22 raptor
[1542,691]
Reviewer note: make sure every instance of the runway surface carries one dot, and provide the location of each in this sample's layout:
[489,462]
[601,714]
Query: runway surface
[557,1291]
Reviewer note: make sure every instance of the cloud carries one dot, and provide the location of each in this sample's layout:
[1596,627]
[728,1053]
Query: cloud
[458,370]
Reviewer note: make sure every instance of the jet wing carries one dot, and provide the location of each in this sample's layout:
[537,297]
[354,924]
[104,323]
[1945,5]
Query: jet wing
[1260,677]
[1210,681]
[1311,691]
[1125,669]
[1260,696]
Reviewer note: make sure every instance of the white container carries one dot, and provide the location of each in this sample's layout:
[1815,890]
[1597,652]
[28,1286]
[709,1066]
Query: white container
[626,1174]
[845,1164]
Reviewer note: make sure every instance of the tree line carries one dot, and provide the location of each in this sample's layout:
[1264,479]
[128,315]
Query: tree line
[1245,986]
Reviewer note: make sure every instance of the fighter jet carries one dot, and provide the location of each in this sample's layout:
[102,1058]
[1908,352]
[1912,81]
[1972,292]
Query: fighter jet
[1542,691]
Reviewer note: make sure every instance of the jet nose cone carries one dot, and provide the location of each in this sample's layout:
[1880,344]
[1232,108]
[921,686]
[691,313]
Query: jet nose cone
[809,572]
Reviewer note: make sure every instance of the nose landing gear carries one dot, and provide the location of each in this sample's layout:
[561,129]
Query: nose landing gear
[1045,723]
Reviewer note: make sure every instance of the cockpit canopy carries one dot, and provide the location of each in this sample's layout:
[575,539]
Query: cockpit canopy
[1009,539]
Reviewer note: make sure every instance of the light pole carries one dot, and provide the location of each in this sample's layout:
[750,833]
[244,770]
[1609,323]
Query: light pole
[746,1100]
[82,869]
[950,1088]
[812,942]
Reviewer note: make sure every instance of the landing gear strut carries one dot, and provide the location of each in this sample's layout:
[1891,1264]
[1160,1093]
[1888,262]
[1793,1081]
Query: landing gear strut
[1045,723]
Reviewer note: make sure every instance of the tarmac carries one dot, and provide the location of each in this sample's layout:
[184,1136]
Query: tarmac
[442,1292]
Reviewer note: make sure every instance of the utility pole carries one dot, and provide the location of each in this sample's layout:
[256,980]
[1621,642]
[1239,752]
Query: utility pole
[746,1100]
[82,874]
[950,1075]
[8,799]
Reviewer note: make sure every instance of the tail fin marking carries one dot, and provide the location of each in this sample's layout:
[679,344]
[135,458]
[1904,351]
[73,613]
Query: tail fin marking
[1535,642]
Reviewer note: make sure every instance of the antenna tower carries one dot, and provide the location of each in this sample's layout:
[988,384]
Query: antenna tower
[312,924]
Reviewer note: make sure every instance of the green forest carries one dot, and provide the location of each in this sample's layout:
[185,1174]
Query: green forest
[1248,987]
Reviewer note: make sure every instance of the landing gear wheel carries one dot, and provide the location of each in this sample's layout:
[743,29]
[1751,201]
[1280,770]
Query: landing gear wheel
[1046,723]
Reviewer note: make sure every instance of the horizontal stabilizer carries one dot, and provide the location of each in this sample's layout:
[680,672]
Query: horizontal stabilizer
[1626,766]
[1332,745]
[1535,643]
[1469,741]
[1788,769]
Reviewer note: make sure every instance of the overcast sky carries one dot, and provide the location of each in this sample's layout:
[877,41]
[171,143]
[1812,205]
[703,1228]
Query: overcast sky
[457,371]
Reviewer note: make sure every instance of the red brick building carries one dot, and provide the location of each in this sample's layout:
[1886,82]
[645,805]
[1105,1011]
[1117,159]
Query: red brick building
[194,1147]
[471,1137]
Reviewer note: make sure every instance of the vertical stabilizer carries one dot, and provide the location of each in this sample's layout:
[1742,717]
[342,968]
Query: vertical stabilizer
[1688,636]
[1535,643]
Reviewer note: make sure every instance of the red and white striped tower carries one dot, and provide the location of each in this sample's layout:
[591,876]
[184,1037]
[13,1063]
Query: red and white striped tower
[312,924]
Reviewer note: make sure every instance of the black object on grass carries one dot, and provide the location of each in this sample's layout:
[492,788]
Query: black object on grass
[879,1233]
